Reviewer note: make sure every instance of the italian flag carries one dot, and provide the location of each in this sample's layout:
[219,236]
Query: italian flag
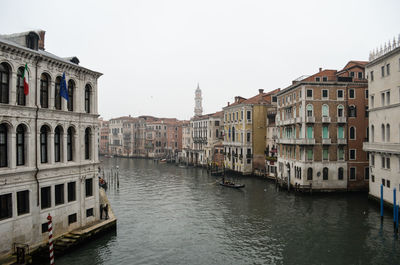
[25,76]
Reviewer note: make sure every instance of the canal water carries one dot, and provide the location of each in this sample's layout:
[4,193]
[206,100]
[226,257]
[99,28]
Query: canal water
[172,215]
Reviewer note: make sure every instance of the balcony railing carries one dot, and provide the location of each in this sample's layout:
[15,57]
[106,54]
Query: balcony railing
[306,141]
[326,141]
[341,119]
[299,119]
[310,119]
[342,141]
[286,141]
[326,119]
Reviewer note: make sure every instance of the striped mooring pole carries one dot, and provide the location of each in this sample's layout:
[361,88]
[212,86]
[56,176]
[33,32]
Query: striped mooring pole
[51,249]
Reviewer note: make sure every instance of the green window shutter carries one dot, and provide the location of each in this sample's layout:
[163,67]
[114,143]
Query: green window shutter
[310,154]
[340,132]
[325,132]
[309,132]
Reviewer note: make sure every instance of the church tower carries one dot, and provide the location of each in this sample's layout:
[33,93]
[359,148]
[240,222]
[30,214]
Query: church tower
[198,109]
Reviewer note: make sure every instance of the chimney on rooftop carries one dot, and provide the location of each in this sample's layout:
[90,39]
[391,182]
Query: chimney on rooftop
[320,69]
[261,91]
[228,103]
[41,40]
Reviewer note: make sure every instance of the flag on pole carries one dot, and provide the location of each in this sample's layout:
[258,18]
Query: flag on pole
[63,88]
[25,77]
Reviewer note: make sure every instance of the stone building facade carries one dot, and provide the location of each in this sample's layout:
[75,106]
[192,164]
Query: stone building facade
[315,144]
[384,131]
[48,146]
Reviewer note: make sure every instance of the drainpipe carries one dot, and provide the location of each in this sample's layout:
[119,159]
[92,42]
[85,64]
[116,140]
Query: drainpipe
[39,58]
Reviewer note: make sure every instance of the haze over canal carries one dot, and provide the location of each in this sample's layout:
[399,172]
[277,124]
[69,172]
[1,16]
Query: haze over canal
[172,215]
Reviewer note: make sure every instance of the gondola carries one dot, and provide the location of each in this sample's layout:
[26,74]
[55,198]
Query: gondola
[231,185]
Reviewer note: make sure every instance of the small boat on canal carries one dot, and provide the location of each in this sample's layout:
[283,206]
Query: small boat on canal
[231,184]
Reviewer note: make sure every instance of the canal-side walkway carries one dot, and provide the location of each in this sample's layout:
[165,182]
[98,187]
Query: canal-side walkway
[70,240]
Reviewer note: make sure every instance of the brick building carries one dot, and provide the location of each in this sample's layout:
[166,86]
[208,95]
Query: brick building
[322,124]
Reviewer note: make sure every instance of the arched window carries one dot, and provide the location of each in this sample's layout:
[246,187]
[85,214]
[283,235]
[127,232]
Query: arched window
[87,143]
[383,132]
[340,173]
[325,110]
[340,111]
[44,91]
[70,134]
[20,87]
[309,173]
[4,83]
[352,133]
[71,87]
[325,173]
[87,98]
[57,95]
[372,133]
[3,145]
[43,144]
[233,134]
[20,141]
[57,144]
[388,132]
[309,110]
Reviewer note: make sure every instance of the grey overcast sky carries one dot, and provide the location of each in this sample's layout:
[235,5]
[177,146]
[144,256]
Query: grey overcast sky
[153,52]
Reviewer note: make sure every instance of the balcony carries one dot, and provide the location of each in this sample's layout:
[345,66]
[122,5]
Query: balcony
[341,119]
[393,148]
[326,119]
[342,141]
[310,119]
[305,141]
[299,119]
[326,141]
[286,141]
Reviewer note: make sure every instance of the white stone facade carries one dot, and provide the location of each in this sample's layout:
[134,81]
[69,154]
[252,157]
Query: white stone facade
[384,119]
[28,178]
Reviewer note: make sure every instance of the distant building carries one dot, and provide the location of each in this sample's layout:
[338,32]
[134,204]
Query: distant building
[198,109]
[384,118]
[48,146]
[245,132]
[103,139]
[322,121]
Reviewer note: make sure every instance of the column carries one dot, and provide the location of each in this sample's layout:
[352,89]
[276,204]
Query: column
[12,96]
[13,149]
[64,146]
[50,148]
[76,146]
[51,94]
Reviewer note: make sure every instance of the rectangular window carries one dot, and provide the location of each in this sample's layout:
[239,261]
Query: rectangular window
[388,183]
[366,173]
[360,75]
[372,178]
[309,132]
[351,93]
[317,79]
[352,173]
[352,155]
[351,74]
[248,115]
[340,94]
[324,93]
[383,182]
[324,79]
[309,154]
[71,218]
[388,69]
[372,102]
[340,132]
[366,93]
[89,187]
[372,160]
[325,154]
[5,206]
[372,75]
[309,93]
[325,132]
[383,162]
[45,227]
[383,71]
[388,162]
[340,153]
[45,196]
[248,137]
[59,194]
[89,212]
[383,99]
[23,202]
